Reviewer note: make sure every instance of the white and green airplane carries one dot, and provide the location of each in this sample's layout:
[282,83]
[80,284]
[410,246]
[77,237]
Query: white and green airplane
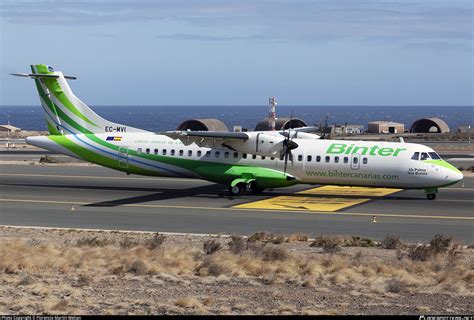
[244,161]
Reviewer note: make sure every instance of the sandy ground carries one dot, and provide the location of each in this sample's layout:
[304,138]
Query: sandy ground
[59,271]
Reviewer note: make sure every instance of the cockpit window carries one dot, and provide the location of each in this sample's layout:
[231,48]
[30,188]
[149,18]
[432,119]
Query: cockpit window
[415,156]
[434,155]
[424,156]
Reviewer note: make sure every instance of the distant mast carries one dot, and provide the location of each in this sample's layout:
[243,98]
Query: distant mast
[271,113]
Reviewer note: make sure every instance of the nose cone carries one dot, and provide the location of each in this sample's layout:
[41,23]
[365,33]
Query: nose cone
[457,176]
[453,175]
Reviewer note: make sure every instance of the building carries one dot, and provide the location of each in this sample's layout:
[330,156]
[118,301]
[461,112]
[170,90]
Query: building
[353,129]
[280,124]
[385,127]
[465,129]
[203,125]
[9,128]
[427,125]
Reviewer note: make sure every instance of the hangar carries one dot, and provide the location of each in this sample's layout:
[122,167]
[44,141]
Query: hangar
[426,125]
[202,125]
[280,124]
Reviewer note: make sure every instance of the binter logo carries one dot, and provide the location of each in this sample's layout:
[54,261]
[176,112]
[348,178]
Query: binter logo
[342,148]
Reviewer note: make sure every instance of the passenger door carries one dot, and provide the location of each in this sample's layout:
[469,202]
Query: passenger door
[123,157]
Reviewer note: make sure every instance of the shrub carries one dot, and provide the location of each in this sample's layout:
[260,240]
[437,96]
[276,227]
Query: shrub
[260,236]
[298,237]
[331,247]
[93,242]
[322,241]
[356,241]
[440,243]
[138,267]
[391,242]
[128,242]
[155,242]
[273,253]
[395,286]
[26,281]
[278,240]
[83,280]
[211,246]
[237,245]
[420,252]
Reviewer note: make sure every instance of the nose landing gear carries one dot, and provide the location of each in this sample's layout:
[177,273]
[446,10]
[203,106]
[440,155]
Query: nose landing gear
[431,193]
[431,196]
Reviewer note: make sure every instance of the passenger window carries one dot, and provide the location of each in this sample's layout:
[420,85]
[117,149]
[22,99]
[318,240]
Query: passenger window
[226,154]
[217,154]
[181,152]
[318,158]
[424,156]
[263,157]
[346,159]
[147,150]
[236,154]
[156,151]
[190,153]
[163,152]
[308,158]
[300,157]
[172,152]
[434,155]
[272,158]
[244,155]
[328,158]
[336,159]
[365,160]
[282,157]
[139,150]
[355,160]
[199,153]
[254,156]
[208,153]
[415,156]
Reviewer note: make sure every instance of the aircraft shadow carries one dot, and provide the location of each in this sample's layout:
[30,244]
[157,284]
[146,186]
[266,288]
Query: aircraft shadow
[208,191]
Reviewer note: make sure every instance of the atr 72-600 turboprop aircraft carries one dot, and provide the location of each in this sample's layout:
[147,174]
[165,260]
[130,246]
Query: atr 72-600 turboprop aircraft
[241,160]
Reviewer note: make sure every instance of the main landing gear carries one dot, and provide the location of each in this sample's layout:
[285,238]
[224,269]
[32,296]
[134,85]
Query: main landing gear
[431,193]
[241,187]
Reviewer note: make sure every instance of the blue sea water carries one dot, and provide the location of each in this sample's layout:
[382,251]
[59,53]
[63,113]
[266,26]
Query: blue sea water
[161,118]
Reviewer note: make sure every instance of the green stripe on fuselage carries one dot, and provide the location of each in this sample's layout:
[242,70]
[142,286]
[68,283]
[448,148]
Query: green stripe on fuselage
[443,164]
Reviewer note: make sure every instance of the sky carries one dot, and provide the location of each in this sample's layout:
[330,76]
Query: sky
[226,52]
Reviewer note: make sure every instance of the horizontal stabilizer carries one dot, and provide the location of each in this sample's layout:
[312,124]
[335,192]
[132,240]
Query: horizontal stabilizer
[34,75]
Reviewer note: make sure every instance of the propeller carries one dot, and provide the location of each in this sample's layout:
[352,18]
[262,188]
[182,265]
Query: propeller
[288,145]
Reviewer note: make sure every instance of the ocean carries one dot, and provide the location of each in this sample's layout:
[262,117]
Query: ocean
[163,118]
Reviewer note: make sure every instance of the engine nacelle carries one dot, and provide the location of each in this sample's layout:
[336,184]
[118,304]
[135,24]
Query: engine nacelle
[259,143]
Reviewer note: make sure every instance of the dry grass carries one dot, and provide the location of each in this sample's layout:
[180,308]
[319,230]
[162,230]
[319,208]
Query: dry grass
[30,264]
[270,261]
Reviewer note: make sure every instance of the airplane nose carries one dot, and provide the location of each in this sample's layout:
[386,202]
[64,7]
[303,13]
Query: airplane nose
[458,176]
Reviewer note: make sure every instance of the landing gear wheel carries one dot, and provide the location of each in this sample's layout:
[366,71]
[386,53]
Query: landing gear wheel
[254,189]
[238,189]
[431,196]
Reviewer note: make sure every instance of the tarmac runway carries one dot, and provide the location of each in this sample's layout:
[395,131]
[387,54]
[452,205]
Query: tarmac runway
[44,195]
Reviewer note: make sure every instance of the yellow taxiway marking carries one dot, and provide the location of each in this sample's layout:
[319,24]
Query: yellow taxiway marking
[393,215]
[350,191]
[99,177]
[299,202]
